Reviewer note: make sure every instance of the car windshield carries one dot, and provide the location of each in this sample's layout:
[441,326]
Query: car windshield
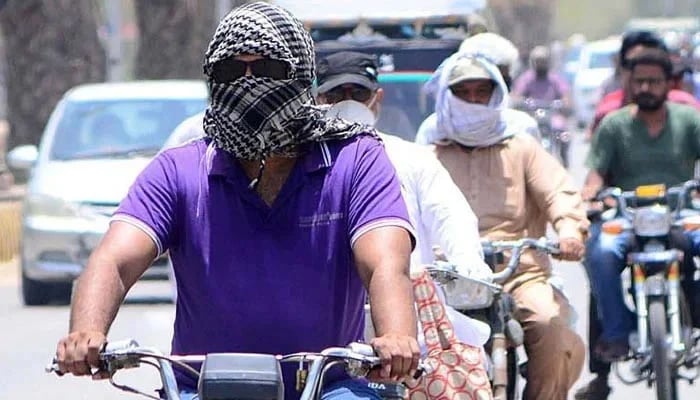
[573,54]
[112,128]
[601,60]
[405,104]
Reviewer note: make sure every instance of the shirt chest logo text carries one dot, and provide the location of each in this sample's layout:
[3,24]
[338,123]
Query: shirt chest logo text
[320,219]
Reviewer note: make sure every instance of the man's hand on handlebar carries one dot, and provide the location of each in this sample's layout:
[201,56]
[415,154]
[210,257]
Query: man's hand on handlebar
[78,353]
[570,249]
[399,355]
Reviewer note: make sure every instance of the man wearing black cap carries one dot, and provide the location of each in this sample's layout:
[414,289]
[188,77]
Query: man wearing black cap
[353,75]
[347,68]
[437,209]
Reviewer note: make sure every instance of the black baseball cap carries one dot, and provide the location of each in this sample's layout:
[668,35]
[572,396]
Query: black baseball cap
[346,67]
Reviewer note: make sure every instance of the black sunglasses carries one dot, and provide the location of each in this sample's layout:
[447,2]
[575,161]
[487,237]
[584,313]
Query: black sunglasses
[226,71]
[340,93]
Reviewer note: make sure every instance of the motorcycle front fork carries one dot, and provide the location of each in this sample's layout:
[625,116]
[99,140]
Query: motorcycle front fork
[643,288]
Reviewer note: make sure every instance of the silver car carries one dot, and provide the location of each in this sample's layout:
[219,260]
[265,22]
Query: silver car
[97,140]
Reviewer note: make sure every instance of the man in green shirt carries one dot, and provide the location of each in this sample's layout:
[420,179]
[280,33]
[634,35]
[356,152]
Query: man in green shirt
[648,142]
[630,150]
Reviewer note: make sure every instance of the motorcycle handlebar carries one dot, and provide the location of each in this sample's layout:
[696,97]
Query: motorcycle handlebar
[440,269]
[531,103]
[360,358]
[623,197]
[518,247]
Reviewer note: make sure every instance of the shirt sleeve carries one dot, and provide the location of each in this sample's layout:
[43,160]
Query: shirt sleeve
[449,219]
[600,154]
[151,202]
[375,193]
[554,191]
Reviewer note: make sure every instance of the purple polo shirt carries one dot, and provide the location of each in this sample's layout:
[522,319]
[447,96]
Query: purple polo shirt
[253,278]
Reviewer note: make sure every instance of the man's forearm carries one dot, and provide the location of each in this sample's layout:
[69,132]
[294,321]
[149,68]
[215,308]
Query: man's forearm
[391,297]
[98,294]
[593,183]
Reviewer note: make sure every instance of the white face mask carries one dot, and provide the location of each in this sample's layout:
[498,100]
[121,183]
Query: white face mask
[474,125]
[353,111]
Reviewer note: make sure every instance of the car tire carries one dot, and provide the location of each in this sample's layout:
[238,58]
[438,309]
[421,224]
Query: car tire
[37,293]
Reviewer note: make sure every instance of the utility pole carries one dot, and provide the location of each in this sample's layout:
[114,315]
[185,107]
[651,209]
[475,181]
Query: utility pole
[115,71]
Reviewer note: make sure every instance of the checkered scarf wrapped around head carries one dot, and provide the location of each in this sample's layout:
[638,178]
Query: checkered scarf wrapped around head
[253,117]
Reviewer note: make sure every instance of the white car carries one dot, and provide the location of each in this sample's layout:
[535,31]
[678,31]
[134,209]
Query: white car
[596,64]
[97,140]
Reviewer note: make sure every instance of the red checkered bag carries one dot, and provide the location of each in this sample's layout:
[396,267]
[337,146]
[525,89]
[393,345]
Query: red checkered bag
[456,370]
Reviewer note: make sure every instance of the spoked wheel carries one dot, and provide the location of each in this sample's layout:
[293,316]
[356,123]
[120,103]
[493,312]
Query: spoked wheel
[663,370]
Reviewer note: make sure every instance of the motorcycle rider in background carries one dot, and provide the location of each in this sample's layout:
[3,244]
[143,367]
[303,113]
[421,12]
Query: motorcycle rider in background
[539,81]
[515,187]
[632,44]
[440,214]
[650,141]
[543,85]
[504,54]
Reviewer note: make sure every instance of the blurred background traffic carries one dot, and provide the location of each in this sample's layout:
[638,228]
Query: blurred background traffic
[90,90]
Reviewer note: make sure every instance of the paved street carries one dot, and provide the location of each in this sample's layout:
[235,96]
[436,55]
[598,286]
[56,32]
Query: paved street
[29,335]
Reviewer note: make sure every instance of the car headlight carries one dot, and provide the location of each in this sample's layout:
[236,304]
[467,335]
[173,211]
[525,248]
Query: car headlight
[50,206]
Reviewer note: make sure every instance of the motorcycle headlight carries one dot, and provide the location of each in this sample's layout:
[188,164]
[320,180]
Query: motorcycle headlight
[468,294]
[652,221]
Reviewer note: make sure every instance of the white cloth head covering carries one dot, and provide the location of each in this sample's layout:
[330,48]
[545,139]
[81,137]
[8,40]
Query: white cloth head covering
[472,125]
[495,47]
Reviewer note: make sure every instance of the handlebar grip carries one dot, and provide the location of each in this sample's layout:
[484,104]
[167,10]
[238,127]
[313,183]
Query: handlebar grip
[52,367]
[118,345]
[108,349]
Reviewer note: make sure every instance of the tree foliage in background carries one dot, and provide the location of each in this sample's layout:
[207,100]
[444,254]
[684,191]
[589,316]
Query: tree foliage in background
[50,46]
[173,36]
[527,23]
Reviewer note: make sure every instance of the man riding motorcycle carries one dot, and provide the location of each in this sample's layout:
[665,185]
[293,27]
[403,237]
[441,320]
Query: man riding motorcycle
[632,44]
[515,187]
[504,54]
[546,88]
[279,223]
[651,141]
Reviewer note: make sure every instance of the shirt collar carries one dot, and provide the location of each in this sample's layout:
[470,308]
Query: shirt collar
[317,155]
